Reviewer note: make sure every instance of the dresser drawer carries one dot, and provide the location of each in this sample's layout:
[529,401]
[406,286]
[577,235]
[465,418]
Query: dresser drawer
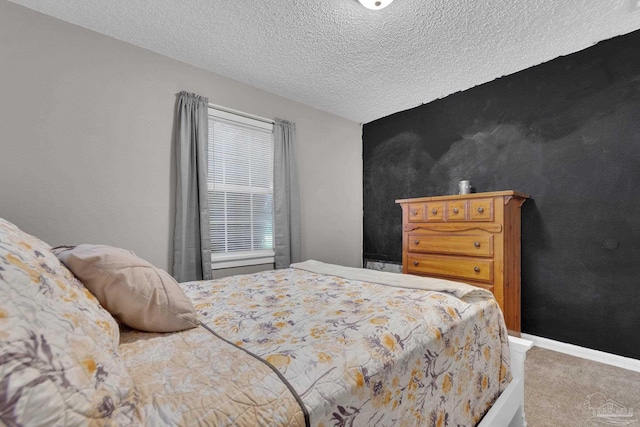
[480,270]
[457,210]
[481,209]
[416,211]
[452,244]
[434,211]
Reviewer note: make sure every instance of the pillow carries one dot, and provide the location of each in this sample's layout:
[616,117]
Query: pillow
[134,291]
[58,347]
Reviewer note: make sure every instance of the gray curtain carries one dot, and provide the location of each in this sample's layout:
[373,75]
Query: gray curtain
[191,240]
[286,195]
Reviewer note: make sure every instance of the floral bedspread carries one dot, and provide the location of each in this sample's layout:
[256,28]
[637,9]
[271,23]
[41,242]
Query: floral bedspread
[193,378]
[365,354]
[351,348]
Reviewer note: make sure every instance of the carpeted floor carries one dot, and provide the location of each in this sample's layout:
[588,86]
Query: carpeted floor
[564,391]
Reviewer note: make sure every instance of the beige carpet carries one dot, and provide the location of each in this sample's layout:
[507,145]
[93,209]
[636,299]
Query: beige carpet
[563,391]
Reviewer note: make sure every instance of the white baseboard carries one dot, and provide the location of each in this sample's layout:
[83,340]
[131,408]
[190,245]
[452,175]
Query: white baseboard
[585,353]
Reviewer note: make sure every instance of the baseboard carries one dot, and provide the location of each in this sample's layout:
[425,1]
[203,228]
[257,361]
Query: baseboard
[585,353]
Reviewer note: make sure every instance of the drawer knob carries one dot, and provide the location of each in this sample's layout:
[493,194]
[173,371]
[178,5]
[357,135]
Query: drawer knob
[413,212]
[434,211]
[476,269]
[476,244]
[455,210]
[480,209]
[415,263]
[417,242]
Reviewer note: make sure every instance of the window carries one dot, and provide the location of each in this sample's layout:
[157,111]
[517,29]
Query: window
[240,184]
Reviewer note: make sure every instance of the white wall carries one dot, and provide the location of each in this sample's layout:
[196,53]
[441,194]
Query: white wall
[85,143]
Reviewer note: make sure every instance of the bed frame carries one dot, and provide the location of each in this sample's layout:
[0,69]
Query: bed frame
[508,410]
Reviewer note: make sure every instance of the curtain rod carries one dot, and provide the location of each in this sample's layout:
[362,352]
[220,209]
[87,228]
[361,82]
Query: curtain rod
[240,113]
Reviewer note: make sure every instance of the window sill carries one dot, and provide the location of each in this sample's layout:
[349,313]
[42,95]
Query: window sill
[220,261]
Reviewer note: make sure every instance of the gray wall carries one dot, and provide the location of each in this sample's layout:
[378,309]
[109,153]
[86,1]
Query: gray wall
[85,143]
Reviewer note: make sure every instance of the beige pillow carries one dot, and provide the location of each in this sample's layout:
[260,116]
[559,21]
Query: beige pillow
[134,291]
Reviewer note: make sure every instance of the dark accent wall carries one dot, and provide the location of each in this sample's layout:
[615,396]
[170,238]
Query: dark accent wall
[568,133]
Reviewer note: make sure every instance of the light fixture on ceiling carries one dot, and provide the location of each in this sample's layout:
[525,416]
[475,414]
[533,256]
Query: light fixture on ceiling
[375,4]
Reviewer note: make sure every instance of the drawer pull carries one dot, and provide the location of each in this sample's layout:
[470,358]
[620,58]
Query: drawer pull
[480,209]
[415,263]
[413,212]
[455,210]
[476,244]
[417,242]
[476,269]
[434,211]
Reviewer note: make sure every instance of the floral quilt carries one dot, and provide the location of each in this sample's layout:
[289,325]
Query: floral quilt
[194,378]
[58,360]
[312,344]
[361,353]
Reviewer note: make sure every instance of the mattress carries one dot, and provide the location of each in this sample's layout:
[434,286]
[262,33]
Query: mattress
[305,346]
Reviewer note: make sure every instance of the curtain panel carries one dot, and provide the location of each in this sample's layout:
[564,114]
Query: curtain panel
[286,195]
[191,242]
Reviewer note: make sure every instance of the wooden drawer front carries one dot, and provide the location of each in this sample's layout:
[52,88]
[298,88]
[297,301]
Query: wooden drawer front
[481,209]
[457,210]
[452,244]
[416,212]
[435,211]
[480,270]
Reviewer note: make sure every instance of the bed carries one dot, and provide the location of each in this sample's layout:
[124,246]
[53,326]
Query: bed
[313,344]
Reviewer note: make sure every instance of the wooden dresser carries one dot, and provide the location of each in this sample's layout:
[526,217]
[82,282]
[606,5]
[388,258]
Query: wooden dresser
[471,238]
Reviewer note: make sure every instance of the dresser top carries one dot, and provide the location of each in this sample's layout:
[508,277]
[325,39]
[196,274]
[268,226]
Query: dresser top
[510,193]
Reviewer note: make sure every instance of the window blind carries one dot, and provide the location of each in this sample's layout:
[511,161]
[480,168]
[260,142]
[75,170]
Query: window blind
[240,184]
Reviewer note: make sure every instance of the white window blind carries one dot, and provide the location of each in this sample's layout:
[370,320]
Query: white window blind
[240,184]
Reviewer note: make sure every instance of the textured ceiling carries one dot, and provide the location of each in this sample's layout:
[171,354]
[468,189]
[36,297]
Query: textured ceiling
[339,57]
